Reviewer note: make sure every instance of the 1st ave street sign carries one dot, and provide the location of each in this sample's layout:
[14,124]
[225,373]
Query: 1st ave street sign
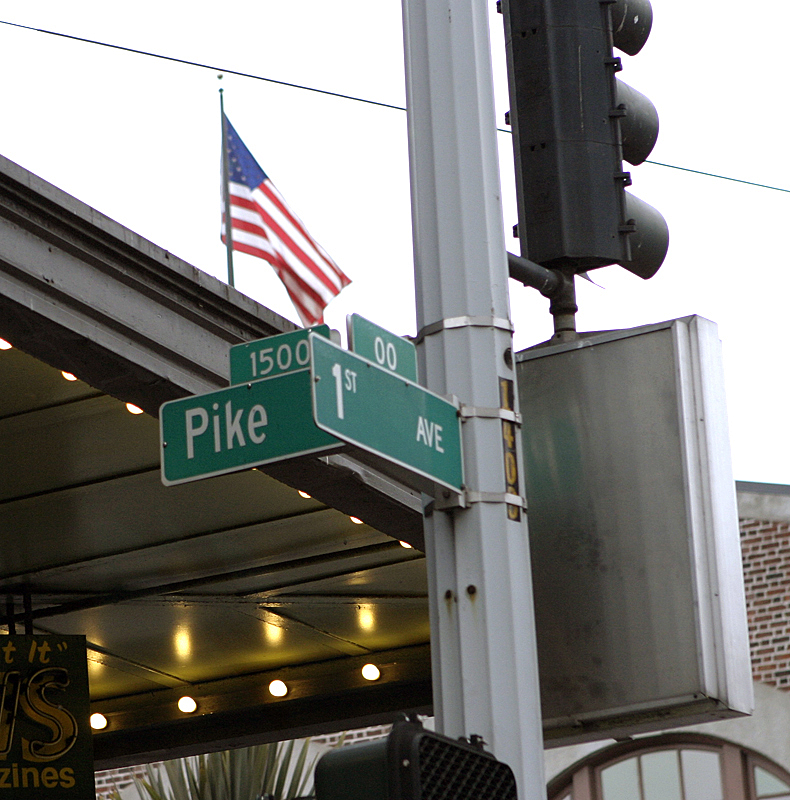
[239,427]
[386,415]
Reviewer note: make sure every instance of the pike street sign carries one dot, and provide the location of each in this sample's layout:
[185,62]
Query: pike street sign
[274,355]
[386,415]
[377,344]
[239,427]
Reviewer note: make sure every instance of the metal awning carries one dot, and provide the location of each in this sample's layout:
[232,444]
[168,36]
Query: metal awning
[210,589]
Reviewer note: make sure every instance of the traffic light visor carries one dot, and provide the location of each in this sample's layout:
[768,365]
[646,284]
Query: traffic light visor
[631,24]
[649,240]
[638,125]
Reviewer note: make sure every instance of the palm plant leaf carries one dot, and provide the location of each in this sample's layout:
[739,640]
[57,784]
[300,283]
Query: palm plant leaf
[282,769]
[300,775]
[175,775]
[270,772]
[245,774]
[193,772]
[217,780]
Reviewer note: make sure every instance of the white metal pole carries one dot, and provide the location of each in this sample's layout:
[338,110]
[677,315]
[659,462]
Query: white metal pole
[482,622]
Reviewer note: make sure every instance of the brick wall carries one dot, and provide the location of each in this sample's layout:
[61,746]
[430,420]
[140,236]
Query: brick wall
[120,779]
[766,558]
[351,737]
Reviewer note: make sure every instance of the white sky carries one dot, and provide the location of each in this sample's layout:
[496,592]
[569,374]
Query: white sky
[138,139]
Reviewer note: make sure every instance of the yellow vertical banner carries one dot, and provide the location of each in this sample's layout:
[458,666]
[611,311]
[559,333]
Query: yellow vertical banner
[45,737]
[509,433]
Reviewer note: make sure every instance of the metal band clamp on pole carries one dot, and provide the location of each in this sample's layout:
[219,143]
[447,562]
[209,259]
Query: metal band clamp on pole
[467,412]
[463,322]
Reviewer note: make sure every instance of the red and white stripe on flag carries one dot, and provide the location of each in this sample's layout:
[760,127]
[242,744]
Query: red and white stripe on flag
[264,226]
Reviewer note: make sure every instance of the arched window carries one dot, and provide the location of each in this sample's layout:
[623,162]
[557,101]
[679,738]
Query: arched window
[673,767]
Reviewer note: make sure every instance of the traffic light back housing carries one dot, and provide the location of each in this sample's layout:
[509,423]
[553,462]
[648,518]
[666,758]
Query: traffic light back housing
[573,125]
[413,764]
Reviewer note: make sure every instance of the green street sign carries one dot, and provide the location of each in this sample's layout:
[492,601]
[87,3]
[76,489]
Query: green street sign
[274,355]
[386,415]
[239,427]
[377,344]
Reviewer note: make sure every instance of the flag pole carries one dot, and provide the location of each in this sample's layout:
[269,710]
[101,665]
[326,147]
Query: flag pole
[226,188]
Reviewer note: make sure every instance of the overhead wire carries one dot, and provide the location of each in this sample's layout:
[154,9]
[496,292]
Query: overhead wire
[226,71]
[714,175]
[201,65]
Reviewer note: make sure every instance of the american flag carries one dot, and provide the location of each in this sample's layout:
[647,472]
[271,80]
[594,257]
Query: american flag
[263,225]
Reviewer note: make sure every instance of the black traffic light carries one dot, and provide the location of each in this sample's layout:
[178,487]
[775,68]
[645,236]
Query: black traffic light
[413,764]
[573,124]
